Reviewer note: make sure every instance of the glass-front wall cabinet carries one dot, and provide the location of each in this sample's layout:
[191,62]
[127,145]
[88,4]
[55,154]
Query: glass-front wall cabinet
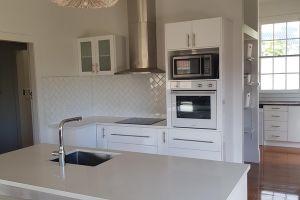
[86,56]
[101,55]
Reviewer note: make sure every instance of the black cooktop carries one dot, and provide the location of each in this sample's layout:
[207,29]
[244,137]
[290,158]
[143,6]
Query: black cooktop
[140,121]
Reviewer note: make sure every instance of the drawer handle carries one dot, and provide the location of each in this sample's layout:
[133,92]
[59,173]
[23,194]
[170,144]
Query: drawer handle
[275,108]
[137,136]
[187,140]
[276,136]
[164,137]
[275,116]
[275,126]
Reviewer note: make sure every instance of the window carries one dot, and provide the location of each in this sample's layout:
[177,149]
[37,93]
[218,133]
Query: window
[279,59]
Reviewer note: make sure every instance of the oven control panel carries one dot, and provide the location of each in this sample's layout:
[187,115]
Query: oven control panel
[193,85]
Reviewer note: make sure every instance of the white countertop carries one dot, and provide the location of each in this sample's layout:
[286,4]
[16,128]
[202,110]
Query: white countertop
[128,176]
[107,120]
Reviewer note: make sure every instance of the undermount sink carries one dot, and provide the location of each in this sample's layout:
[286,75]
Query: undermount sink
[85,158]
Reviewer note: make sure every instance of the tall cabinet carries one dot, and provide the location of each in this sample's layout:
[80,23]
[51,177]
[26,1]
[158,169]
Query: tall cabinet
[102,55]
[203,35]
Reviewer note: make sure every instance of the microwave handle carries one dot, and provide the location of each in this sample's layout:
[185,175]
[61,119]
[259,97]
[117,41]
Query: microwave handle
[193,92]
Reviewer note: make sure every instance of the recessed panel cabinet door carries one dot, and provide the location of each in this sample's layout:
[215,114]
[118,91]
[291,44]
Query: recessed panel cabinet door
[178,35]
[83,136]
[206,33]
[294,124]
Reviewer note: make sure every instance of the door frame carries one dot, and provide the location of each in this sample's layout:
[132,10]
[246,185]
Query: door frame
[25,38]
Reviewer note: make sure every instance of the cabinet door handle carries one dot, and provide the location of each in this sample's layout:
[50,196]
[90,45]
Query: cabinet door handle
[137,136]
[164,137]
[103,133]
[276,116]
[194,39]
[275,108]
[188,140]
[188,39]
[276,136]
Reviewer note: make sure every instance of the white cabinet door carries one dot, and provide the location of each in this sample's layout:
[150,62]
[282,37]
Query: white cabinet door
[294,124]
[134,139]
[193,153]
[86,52]
[178,35]
[101,137]
[84,136]
[105,58]
[201,144]
[162,141]
[207,33]
[132,147]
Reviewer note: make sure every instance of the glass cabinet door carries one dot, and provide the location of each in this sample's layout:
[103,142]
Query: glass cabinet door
[86,56]
[104,48]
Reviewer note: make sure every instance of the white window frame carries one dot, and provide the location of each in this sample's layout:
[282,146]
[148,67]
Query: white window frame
[285,56]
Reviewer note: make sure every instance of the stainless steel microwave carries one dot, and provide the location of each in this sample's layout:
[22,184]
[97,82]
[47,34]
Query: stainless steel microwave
[200,66]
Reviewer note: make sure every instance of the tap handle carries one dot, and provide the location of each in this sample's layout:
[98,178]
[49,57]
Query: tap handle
[55,153]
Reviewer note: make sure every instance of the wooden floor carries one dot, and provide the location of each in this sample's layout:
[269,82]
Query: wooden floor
[277,177]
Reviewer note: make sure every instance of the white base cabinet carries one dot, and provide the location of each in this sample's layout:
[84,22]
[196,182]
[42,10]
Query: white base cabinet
[282,123]
[195,143]
[294,124]
[192,143]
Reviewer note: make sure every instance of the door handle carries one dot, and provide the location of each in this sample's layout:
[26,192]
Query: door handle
[188,39]
[103,133]
[194,39]
[126,135]
[164,137]
[189,140]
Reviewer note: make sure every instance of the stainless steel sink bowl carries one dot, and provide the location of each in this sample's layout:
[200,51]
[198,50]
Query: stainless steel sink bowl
[85,158]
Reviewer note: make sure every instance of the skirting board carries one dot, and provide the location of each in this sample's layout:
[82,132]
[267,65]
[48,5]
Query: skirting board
[282,144]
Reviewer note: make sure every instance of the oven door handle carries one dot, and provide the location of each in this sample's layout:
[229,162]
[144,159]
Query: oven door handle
[197,92]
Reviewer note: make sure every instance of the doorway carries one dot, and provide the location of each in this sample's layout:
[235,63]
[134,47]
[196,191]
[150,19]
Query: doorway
[15,97]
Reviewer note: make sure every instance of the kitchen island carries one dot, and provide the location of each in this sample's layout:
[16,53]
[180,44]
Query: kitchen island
[29,174]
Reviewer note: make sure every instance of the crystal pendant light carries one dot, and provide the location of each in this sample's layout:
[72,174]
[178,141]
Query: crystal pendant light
[86,3]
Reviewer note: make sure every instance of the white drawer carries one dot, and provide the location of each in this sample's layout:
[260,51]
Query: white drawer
[275,126]
[276,108]
[276,135]
[205,140]
[192,153]
[132,135]
[276,116]
[132,147]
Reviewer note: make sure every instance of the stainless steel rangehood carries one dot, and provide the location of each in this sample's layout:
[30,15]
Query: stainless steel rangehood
[142,37]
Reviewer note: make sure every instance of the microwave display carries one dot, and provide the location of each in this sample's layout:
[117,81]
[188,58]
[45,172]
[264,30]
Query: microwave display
[187,66]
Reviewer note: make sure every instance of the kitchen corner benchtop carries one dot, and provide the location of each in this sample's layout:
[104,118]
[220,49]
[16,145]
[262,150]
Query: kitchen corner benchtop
[128,176]
[107,120]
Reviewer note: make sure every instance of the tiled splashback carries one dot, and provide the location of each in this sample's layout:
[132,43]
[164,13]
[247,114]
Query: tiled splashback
[122,95]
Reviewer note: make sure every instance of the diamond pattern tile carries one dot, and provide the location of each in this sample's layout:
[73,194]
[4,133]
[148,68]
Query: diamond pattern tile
[122,95]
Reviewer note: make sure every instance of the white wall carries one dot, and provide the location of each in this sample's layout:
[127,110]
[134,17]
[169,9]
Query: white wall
[279,10]
[54,30]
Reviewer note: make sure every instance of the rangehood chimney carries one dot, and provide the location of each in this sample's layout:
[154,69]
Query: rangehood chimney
[142,37]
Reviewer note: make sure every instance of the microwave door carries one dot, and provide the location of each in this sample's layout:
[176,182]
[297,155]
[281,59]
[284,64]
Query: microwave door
[186,67]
